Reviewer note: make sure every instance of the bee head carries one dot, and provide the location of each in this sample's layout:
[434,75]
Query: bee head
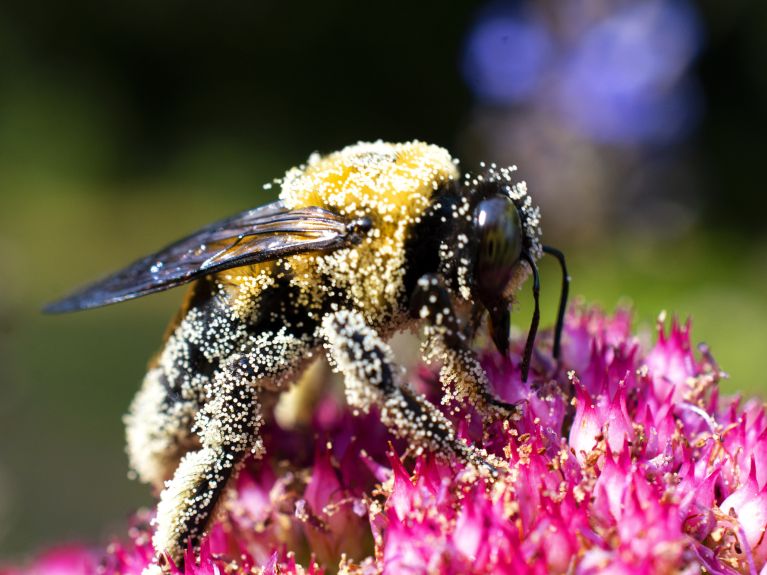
[506,241]
[499,247]
[485,233]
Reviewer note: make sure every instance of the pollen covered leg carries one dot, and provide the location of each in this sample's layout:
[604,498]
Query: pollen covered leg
[228,427]
[373,379]
[462,376]
[158,429]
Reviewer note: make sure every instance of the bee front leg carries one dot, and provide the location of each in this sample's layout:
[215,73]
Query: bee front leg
[227,426]
[462,376]
[373,379]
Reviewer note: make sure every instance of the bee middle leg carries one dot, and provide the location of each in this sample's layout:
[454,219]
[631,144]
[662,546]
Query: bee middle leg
[373,379]
[462,376]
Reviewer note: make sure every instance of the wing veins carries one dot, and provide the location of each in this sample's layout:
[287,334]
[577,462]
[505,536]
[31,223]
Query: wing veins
[266,233]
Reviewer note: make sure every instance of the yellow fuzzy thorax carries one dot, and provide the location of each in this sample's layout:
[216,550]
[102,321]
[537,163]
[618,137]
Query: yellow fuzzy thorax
[392,184]
[387,182]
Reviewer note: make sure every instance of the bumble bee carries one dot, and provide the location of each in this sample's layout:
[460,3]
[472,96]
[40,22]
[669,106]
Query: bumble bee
[362,243]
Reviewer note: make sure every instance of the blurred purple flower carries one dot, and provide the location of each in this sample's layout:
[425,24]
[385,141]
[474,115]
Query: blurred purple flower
[626,461]
[625,79]
[507,53]
[617,73]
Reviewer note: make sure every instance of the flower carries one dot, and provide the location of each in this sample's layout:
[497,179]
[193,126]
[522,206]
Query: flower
[624,460]
[590,65]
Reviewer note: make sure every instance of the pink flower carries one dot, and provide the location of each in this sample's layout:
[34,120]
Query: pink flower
[587,425]
[748,507]
[671,361]
[334,519]
[623,461]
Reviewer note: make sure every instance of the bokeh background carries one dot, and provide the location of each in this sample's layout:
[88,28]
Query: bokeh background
[639,126]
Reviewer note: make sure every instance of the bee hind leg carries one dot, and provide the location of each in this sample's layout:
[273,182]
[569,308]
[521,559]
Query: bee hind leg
[227,426]
[462,376]
[373,379]
[158,429]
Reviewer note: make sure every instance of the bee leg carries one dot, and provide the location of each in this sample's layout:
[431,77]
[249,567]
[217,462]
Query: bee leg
[462,376]
[158,429]
[227,426]
[373,379]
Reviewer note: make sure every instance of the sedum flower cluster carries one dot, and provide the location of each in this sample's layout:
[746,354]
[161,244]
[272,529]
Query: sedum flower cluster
[626,460]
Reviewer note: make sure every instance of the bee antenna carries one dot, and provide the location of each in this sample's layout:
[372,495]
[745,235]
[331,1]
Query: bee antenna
[562,297]
[536,318]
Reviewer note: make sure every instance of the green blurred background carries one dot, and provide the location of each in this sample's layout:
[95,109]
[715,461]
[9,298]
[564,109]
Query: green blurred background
[639,127]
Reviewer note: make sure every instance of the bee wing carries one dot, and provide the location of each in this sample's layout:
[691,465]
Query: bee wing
[261,234]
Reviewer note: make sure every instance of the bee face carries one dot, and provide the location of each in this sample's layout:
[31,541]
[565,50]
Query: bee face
[498,227]
[498,241]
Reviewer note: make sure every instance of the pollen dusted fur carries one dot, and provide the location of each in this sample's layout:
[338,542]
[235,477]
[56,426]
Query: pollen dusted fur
[415,251]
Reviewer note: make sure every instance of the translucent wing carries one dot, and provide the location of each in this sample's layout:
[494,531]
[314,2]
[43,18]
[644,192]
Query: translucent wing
[266,233]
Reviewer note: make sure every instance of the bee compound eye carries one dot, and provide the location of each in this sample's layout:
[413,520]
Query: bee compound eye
[499,226]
